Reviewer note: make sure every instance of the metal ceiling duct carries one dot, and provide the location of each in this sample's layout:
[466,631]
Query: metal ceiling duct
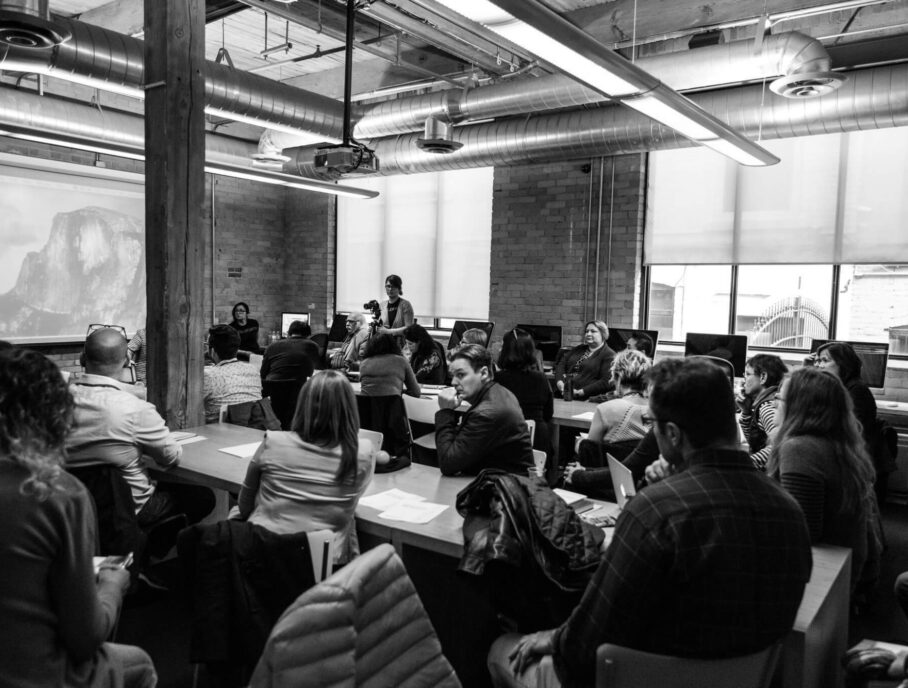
[111,61]
[27,24]
[799,58]
[874,98]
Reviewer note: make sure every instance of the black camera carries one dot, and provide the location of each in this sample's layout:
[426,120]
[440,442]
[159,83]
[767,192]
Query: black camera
[373,307]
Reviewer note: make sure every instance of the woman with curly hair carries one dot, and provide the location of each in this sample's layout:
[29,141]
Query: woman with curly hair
[820,459]
[56,612]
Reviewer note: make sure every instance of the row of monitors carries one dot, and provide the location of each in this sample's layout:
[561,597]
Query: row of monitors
[732,347]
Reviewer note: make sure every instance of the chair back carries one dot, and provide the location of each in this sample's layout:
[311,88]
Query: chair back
[322,544]
[283,395]
[420,410]
[531,426]
[118,529]
[376,438]
[621,667]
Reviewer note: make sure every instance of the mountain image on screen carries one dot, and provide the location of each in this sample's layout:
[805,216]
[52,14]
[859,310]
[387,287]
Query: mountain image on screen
[90,270]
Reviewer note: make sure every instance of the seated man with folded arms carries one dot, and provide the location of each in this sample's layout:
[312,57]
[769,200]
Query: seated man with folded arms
[492,433]
[710,562]
[229,381]
[293,358]
[351,351]
[112,425]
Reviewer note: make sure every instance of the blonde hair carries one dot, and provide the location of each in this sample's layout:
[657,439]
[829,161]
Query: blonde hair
[630,368]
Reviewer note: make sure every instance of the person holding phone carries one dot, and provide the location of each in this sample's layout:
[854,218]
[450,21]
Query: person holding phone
[56,611]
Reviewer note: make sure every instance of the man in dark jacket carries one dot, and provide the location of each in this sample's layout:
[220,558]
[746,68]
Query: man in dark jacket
[710,562]
[492,433]
[293,358]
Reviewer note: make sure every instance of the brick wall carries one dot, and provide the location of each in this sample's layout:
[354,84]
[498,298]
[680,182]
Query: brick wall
[566,244]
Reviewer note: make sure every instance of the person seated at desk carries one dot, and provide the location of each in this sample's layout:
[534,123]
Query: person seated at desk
[518,371]
[383,370]
[138,354]
[588,365]
[711,562]
[293,358]
[621,419]
[427,357]
[820,459]
[351,350]
[229,380]
[763,374]
[840,359]
[111,425]
[247,328]
[56,612]
[492,433]
[642,342]
[311,477]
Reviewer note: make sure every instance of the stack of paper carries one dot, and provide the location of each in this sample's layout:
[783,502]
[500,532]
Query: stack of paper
[397,505]
[244,451]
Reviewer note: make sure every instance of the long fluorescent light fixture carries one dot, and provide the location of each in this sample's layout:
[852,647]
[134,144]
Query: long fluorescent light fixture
[580,56]
[236,171]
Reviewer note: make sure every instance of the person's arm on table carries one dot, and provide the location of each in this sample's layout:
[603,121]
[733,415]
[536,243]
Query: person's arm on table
[154,438]
[246,501]
[410,383]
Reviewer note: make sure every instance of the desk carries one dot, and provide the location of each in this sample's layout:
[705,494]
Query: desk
[810,658]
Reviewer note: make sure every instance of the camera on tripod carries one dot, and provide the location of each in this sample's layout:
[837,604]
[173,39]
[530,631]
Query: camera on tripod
[373,307]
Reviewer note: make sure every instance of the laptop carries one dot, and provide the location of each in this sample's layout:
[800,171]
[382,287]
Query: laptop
[622,481]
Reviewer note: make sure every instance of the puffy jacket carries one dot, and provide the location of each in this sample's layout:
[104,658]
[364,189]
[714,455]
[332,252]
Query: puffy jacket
[363,626]
[515,520]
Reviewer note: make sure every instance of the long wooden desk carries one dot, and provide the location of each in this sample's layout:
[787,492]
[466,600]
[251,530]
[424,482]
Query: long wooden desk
[812,651]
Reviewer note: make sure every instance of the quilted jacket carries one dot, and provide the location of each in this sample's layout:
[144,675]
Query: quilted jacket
[362,626]
[514,520]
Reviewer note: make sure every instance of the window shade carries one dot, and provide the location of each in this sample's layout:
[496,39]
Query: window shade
[834,198]
[434,230]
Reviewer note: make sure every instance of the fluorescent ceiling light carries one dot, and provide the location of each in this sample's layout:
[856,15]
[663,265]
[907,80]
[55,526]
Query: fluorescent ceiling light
[288,180]
[549,36]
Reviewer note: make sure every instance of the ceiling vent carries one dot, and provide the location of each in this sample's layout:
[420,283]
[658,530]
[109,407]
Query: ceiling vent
[438,137]
[27,24]
[807,85]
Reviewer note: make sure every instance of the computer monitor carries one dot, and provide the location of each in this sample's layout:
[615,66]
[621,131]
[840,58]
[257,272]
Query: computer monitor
[287,318]
[338,328]
[619,336]
[461,326]
[731,347]
[874,358]
[546,337]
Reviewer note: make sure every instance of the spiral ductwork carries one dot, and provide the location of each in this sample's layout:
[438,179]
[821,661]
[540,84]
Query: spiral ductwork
[871,99]
[28,24]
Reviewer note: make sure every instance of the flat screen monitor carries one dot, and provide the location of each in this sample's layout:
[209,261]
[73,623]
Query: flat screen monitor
[619,336]
[287,318]
[731,347]
[874,358]
[338,328]
[461,326]
[546,337]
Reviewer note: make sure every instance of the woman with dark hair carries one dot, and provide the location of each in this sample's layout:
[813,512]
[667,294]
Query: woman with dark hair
[820,458]
[56,612]
[518,371]
[311,477]
[383,370]
[396,312]
[840,359]
[763,374]
[247,327]
[587,367]
[427,358]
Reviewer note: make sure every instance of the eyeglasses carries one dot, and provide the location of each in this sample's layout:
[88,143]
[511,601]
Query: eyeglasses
[97,326]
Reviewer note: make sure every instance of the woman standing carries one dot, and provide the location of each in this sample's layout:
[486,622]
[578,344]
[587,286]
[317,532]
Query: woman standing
[247,327]
[56,612]
[820,459]
[427,358]
[588,365]
[311,477]
[519,372]
[396,312]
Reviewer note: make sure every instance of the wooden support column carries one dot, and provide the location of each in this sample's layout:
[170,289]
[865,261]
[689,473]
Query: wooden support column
[174,204]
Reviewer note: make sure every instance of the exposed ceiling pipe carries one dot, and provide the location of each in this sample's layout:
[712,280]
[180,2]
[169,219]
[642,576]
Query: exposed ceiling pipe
[28,24]
[110,61]
[874,98]
[800,58]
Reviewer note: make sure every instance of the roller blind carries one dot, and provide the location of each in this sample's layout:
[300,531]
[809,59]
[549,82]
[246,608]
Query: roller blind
[432,229]
[834,198]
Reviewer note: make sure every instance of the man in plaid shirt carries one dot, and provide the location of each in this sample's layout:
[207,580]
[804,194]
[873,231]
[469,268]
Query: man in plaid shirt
[709,562]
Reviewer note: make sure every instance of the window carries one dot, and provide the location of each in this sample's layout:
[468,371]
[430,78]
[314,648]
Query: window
[689,298]
[434,230]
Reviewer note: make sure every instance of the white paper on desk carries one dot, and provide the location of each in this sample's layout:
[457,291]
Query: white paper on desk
[389,499]
[568,496]
[413,512]
[586,415]
[244,451]
[190,440]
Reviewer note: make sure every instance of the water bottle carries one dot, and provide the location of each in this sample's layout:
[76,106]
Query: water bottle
[568,393]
